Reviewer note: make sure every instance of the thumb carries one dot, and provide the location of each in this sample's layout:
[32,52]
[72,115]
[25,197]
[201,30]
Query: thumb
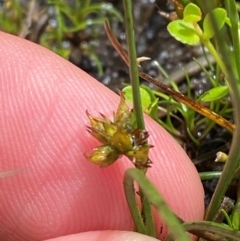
[43,100]
[105,236]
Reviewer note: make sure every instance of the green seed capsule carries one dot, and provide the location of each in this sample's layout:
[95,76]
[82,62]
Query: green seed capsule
[110,130]
[120,137]
[124,117]
[122,141]
[103,155]
[97,129]
[139,155]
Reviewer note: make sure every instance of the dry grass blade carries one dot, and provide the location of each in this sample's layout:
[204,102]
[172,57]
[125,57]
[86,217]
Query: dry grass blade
[174,94]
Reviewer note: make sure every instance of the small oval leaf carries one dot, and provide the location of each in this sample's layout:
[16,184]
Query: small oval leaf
[219,16]
[192,13]
[145,96]
[215,93]
[183,32]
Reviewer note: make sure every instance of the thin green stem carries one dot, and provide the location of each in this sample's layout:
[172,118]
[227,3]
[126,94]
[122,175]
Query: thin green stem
[133,63]
[133,206]
[207,43]
[155,198]
[217,228]
[209,175]
[137,107]
[60,24]
[216,56]
[233,79]
[234,18]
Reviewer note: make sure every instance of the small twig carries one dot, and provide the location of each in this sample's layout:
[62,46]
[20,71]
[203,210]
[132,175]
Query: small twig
[28,20]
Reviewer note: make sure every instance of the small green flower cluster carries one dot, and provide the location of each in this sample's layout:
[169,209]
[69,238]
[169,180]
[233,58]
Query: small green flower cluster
[120,137]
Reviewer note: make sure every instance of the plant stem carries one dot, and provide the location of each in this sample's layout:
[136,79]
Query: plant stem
[137,107]
[156,199]
[231,8]
[216,56]
[209,175]
[218,228]
[133,206]
[133,68]
[207,43]
[234,155]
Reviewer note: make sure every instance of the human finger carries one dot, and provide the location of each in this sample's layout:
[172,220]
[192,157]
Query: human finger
[43,123]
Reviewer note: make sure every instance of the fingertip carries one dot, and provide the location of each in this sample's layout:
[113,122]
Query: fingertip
[105,236]
[44,99]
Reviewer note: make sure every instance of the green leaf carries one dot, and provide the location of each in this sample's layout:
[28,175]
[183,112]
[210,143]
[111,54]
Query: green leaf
[228,22]
[214,93]
[183,32]
[235,216]
[145,97]
[219,229]
[192,13]
[153,107]
[148,100]
[219,16]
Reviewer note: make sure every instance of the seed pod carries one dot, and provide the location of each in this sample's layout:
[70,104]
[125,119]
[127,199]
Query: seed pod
[97,129]
[120,137]
[103,155]
[122,141]
[110,130]
[124,117]
[139,156]
[102,129]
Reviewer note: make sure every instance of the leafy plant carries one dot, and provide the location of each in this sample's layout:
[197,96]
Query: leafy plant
[192,121]
[233,220]
[201,24]
[181,100]
[73,18]
[11,15]
[188,31]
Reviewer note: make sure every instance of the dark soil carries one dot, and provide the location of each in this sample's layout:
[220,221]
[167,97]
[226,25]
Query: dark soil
[152,40]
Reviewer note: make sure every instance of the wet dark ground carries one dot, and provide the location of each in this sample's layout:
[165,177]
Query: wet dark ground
[152,40]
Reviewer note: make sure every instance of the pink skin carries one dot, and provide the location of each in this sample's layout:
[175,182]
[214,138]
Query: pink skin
[43,133]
